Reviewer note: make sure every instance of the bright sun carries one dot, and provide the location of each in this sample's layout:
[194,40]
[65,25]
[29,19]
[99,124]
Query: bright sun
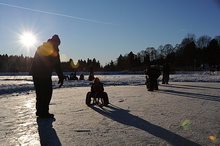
[28,39]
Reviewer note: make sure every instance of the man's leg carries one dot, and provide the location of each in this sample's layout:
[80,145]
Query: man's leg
[38,95]
[46,94]
[43,87]
[151,84]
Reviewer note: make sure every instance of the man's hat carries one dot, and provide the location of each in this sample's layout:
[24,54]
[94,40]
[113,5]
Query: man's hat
[55,38]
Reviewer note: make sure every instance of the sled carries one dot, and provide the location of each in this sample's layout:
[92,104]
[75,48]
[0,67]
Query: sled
[97,98]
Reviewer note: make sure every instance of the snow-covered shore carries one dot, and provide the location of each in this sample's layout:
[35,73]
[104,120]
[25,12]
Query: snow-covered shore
[184,112]
[21,82]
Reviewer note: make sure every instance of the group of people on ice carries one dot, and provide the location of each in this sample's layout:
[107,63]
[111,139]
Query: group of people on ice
[74,77]
[81,76]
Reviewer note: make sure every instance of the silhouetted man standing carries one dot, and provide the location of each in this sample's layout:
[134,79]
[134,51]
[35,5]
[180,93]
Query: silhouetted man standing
[46,59]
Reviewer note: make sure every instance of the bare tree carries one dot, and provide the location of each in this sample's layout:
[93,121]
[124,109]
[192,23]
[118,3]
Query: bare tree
[203,41]
[152,52]
[167,49]
[218,39]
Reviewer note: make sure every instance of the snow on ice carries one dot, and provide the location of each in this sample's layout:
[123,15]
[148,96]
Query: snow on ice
[21,82]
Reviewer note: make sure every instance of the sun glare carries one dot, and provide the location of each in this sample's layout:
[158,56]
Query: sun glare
[28,39]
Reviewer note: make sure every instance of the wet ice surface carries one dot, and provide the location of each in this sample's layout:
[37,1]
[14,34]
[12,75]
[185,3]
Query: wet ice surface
[18,122]
[135,116]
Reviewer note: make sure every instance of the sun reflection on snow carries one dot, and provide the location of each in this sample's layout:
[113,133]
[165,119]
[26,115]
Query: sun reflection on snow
[29,105]
[27,127]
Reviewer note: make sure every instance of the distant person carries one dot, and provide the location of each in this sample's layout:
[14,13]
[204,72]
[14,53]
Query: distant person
[81,77]
[147,82]
[46,59]
[91,77]
[65,77]
[91,74]
[91,70]
[166,73]
[73,76]
[153,74]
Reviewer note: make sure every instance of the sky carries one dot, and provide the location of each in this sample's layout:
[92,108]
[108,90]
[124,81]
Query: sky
[104,29]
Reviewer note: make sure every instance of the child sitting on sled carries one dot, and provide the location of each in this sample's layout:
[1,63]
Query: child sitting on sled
[97,92]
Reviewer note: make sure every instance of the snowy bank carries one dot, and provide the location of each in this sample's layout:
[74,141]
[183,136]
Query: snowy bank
[21,82]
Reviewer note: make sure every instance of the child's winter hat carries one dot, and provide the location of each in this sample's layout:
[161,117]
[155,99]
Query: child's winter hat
[96,80]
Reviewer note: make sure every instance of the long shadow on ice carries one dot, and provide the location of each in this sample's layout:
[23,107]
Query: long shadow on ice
[191,95]
[124,117]
[47,133]
[199,87]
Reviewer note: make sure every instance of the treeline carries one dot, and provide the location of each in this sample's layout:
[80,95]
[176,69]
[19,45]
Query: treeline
[15,63]
[81,65]
[190,54]
[23,64]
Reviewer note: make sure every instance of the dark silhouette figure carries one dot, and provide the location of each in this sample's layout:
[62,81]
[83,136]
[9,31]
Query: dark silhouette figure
[153,74]
[147,83]
[73,76]
[46,59]
[65,77]
[81,77]
[124,117]
[97,92]
[166,73]
[47,133]
[91,74]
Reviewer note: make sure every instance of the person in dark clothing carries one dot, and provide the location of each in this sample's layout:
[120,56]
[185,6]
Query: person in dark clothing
[81,77]
[166,73]
[46,59]
[97,89]
[73,76]
[91,74]
[153,74]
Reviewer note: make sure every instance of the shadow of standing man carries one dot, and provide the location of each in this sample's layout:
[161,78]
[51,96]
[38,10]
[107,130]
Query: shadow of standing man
[47,133]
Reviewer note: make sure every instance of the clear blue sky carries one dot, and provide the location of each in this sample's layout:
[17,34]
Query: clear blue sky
[104,29]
